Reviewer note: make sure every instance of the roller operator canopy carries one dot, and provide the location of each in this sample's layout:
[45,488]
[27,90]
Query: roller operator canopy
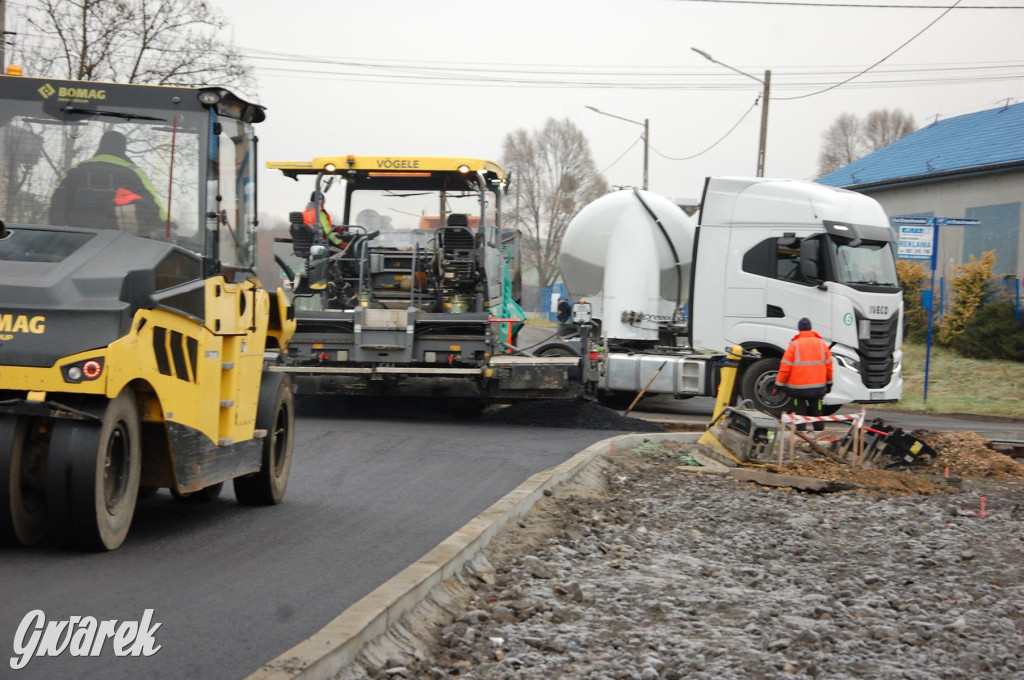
[428,173]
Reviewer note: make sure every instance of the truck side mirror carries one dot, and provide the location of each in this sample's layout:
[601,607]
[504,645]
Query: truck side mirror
[788,239]
[809,259]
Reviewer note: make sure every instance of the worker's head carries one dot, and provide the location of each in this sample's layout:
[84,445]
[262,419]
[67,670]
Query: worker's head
[804,324]
[113,143]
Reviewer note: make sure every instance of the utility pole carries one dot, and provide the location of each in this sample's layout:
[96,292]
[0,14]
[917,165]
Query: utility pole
[766,92]
[646,147]
[764,123]
[3,36]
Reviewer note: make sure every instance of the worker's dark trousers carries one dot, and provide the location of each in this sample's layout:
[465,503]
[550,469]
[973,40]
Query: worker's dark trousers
[808,406]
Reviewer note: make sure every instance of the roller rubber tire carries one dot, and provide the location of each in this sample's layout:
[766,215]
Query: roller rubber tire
[22,508]
[93,476]
[275,414]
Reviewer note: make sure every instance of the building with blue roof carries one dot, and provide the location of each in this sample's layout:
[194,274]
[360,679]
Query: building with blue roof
[970,166]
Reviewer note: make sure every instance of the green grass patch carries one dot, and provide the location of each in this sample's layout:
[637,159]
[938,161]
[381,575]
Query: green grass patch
[959,385]
[539,320]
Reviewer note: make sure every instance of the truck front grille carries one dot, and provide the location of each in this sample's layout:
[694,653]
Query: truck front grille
[876,352]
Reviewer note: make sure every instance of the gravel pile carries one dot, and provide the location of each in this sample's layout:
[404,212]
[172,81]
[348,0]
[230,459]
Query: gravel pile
[666,574]
[581,415]
[970,455]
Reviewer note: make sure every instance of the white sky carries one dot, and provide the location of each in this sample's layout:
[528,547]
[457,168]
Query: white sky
[364,111]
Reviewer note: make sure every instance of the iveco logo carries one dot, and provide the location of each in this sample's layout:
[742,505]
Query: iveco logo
[878,310]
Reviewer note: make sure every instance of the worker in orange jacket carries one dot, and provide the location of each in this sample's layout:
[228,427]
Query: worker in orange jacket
[805,372]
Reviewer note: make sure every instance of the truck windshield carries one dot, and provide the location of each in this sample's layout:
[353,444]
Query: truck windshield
[134,170]
[869,263]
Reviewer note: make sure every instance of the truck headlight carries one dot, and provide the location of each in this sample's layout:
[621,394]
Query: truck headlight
[847,362]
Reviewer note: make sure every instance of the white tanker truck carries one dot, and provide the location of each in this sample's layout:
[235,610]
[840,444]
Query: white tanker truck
[668,297]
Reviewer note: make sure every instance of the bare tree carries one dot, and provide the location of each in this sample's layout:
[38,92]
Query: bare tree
[156,42]
[884,126]
[848,138]
[553,177]
[842,144]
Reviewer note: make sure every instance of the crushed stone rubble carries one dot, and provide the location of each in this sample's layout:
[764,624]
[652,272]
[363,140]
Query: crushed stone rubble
[664,574]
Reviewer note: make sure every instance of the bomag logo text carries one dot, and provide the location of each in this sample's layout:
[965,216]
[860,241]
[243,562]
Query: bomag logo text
[80,93]
[11,324]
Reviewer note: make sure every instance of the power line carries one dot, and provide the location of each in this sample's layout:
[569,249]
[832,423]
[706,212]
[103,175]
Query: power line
[561,74]
[546,69]
[549,75]
[613,77]
[720,139]
[632,84]
[787,3]
[938,75]
[628,149]
[857,75]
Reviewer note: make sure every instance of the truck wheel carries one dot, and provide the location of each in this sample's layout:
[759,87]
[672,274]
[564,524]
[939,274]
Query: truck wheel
[757,384]
[93,476]
[557,349]
[22,502]
[276,415]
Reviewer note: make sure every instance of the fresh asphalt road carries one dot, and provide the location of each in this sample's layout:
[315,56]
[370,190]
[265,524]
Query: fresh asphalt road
[234,587]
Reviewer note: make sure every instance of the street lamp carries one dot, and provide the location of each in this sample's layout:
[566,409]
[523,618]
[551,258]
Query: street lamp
[647,132]
[764,105]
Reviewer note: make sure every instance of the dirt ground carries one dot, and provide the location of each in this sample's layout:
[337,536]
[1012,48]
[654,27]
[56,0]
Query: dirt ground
[666,573]
[959,455]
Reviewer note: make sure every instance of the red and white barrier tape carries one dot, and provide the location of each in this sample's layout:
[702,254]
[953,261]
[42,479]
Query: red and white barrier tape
[800,420]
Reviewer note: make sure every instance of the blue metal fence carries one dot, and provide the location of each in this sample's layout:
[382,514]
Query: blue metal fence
[549,300]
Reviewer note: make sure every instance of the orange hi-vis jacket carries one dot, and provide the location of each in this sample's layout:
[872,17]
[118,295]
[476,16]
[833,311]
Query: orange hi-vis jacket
[309,219]
[806,367]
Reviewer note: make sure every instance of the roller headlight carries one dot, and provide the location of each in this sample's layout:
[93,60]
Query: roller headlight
[83,371]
